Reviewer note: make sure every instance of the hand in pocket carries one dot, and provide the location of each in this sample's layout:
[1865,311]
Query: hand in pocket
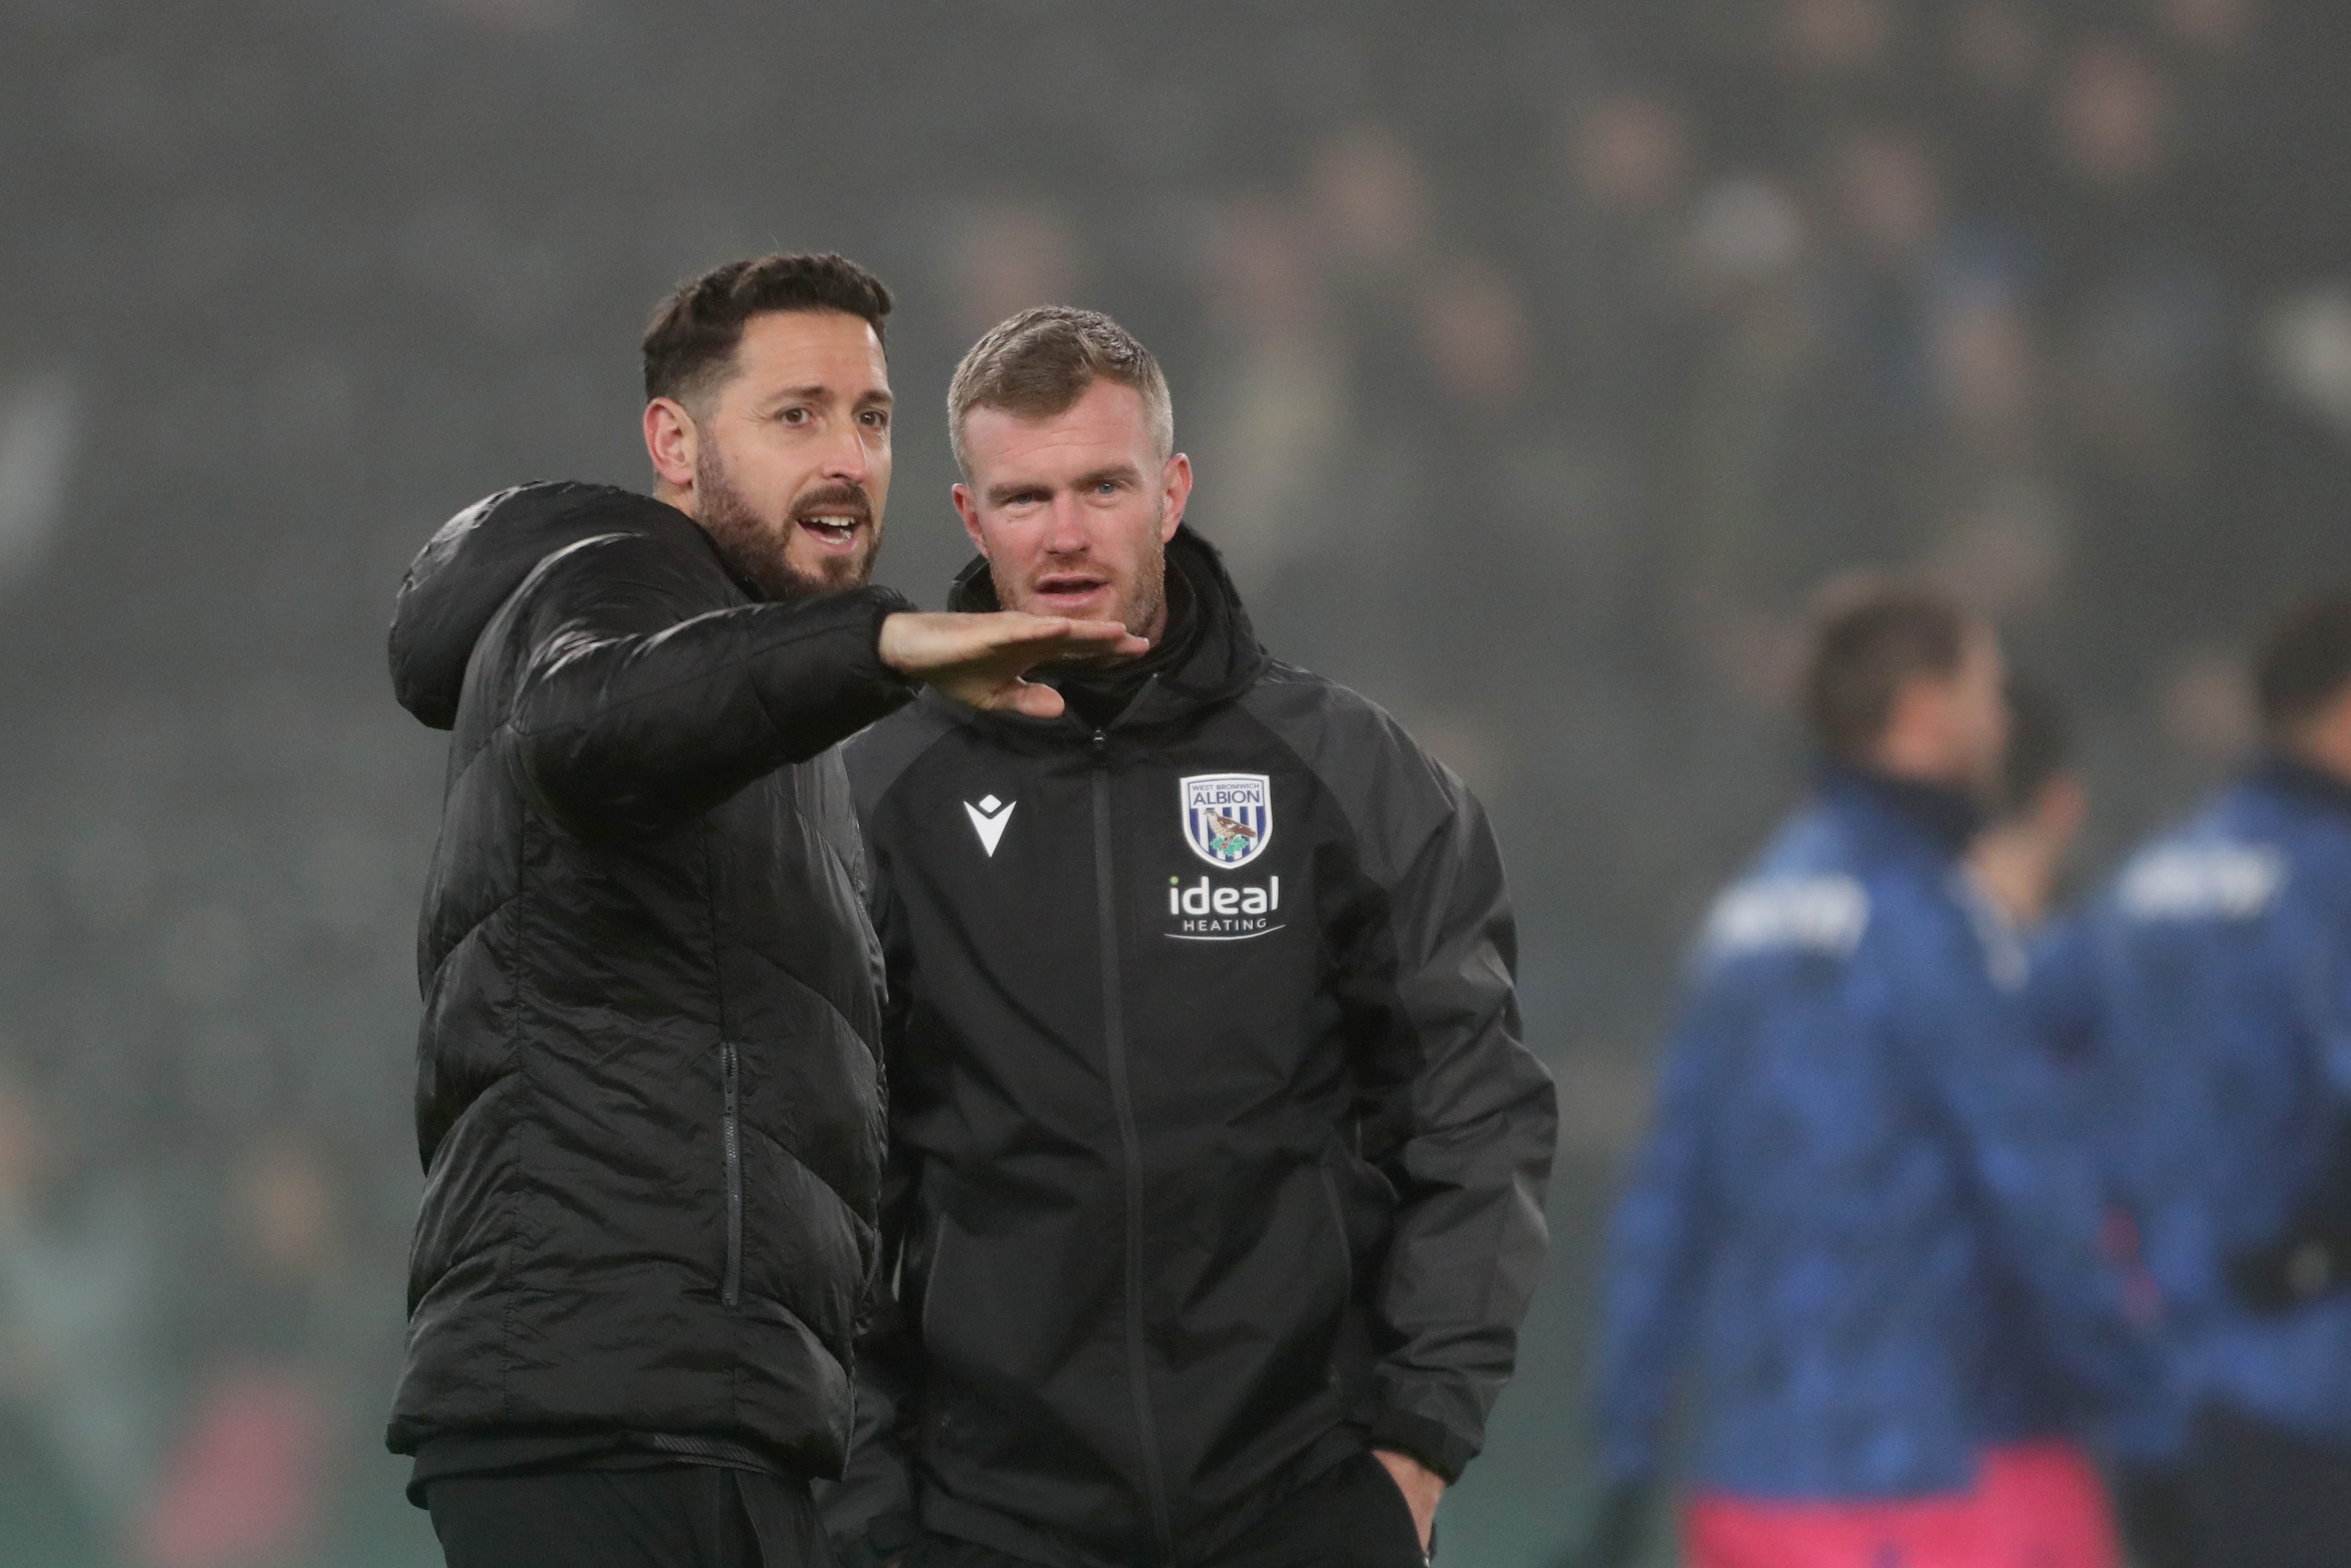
[1422,1488]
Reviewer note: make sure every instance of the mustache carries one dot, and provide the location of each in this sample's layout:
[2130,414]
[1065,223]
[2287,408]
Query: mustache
[834,501]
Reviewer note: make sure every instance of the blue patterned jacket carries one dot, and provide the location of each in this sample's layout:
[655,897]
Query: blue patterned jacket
[1863,1179]
[2223,958]
[2023,1399]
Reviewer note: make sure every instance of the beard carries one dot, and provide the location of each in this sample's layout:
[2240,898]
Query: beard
[759,552]
[1146,597]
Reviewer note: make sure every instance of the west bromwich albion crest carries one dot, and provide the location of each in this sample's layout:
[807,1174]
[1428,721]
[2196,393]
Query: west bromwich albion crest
[1228,817]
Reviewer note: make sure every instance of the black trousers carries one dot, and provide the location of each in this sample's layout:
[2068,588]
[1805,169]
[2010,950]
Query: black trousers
[670,1516]
[2270,1499]
[1354,1517]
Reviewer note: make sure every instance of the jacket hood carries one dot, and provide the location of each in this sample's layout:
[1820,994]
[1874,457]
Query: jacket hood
[1222,656]
[473,564]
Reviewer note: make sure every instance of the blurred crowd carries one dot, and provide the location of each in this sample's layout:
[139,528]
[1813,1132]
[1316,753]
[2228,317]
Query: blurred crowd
[1538,363]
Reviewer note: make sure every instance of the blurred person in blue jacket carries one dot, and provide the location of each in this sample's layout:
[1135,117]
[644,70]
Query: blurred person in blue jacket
[2019,860]
[1860,1156]
[2223,953]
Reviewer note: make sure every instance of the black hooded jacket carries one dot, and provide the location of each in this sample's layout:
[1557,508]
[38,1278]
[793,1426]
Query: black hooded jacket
[648,1093]
[1215,1155]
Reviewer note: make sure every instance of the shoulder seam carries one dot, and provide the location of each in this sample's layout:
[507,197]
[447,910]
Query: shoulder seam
[1397,739]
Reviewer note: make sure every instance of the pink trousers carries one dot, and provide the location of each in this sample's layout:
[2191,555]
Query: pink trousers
[2034,1505]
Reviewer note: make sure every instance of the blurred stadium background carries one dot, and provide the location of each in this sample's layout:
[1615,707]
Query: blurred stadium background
[1538,360]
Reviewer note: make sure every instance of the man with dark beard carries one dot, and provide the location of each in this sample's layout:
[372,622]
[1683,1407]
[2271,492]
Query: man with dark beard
[649,1102]
[1217,1162]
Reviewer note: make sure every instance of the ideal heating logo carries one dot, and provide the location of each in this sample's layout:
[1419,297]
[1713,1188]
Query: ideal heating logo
[1206,912]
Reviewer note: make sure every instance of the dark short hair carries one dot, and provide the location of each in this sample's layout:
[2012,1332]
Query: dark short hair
[1039,362]
[1870,636]
[2039,743]
[2305,663]
[689,345]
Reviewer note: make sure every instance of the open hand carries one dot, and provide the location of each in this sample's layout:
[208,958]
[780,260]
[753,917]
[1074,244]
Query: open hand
[983,660]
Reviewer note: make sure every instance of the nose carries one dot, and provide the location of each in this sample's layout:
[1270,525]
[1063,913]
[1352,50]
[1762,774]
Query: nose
[1065,532]
[847,459]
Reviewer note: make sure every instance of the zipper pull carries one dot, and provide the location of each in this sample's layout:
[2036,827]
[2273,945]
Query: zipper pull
[1101,748]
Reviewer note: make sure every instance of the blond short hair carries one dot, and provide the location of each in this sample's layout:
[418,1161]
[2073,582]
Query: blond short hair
[1040,362]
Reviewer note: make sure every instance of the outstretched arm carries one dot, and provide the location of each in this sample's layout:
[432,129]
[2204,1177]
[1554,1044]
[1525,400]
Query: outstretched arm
[634,713]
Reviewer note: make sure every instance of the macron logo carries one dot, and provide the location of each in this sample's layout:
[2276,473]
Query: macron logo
[987,819]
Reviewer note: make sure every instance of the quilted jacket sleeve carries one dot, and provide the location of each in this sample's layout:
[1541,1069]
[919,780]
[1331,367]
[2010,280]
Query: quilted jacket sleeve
[634,712]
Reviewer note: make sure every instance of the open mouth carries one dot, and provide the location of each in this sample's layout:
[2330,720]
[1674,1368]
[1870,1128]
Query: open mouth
[836,532]
[1069,589]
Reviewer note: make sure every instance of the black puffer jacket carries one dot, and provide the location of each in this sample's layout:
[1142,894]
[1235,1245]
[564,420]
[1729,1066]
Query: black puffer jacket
[648,1097]
[1216,1155]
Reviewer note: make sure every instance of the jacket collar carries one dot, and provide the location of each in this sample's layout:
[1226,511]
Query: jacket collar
[1937,816]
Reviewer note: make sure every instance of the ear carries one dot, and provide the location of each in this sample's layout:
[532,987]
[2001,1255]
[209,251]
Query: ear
[967,506]
[672,441]
[1175,483]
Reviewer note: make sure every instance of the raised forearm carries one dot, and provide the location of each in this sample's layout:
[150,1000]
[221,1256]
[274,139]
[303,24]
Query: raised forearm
[622,729]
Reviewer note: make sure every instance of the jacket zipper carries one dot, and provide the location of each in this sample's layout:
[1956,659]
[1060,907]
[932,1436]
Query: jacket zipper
[1131,1153]
[730,1139]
